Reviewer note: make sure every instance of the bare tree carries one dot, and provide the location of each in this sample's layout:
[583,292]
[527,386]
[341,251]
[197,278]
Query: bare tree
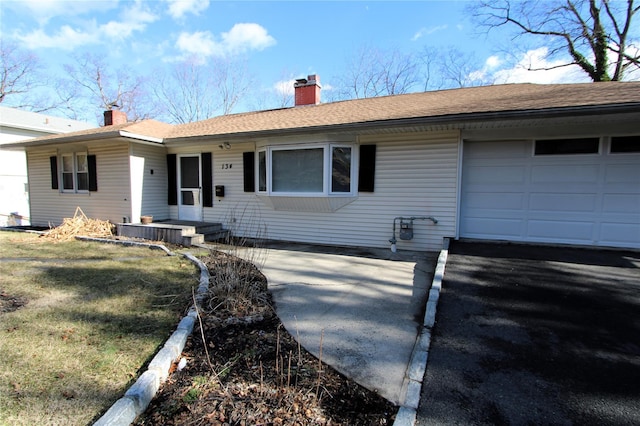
[21,82]
[194,91]
[460,69]
[95,87]
[597,35]
[375,72]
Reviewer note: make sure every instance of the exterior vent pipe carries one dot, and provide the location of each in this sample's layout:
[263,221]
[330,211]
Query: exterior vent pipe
[406,228]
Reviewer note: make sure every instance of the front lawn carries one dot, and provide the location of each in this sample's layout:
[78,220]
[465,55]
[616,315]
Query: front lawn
[78,320]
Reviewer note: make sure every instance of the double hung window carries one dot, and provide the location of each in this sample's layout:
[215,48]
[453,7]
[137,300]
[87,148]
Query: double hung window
[73,172]
[314,170]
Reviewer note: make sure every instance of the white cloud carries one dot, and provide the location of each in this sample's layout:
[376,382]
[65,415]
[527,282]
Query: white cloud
[492,62]
[244,37]
[134,19]
[427,31]
[180,8]
[284,87]
[66,38]
[241,38]
[199,43]
[44,10]
[534,67]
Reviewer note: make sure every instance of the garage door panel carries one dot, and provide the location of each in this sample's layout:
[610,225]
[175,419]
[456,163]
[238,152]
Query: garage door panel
[563,202]
[558,174]
[493,200]
[623,173]
[555,230]
[498,175]
[621,203]
[501,228]
[620,234]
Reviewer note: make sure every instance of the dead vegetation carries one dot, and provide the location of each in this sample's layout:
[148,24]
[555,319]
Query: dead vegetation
[244,368]
[80,224]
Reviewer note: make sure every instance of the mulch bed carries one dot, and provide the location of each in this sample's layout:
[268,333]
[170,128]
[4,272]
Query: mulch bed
[248,370]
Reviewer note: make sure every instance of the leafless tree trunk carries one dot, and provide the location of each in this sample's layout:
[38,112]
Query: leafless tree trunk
[597,35]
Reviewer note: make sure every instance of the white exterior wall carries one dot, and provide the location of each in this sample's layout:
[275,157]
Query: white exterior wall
[416,175]
[14,198]
[111,201]
[148,182]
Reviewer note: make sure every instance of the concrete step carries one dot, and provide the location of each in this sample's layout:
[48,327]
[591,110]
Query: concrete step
[192,239]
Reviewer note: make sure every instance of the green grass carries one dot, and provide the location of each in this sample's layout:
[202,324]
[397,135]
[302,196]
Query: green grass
[96,313]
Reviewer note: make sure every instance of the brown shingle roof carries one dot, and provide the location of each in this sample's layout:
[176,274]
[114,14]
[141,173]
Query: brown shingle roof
[487,99]
[426,105]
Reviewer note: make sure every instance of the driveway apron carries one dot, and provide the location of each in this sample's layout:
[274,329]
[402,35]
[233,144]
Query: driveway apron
[358,310]
[535,335]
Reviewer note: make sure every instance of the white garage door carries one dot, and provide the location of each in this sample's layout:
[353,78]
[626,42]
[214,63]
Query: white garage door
[511,192]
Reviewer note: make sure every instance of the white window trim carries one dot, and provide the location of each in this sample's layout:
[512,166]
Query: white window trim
[327,169]
[74,158]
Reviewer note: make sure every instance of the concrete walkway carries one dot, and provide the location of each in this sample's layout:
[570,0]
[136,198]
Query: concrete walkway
[362,308]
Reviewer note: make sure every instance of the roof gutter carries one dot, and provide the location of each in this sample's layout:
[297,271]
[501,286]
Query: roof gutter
[425,120]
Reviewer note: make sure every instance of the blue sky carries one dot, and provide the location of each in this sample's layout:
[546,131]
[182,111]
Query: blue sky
[280,41]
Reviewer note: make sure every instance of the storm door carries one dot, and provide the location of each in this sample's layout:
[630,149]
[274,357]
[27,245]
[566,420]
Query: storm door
[190,188]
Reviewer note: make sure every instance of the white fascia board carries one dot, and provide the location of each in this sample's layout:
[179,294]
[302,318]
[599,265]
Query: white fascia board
[130,135]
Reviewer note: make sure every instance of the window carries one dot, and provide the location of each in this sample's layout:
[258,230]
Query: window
[77,172]
[625,144]
[567,146]
[325,169]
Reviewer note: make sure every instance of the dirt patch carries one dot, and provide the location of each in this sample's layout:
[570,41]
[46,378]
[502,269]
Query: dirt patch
[249,370]
[10,303]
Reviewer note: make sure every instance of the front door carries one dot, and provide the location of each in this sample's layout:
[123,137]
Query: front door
[190,199]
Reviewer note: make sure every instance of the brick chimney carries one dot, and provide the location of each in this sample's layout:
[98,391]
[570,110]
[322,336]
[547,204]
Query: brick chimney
[114,117]
[307,90]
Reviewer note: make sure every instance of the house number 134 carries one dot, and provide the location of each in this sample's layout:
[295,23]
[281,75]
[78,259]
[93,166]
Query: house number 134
[226,166]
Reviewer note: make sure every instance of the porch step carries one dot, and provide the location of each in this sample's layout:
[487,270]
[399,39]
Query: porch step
[176,232]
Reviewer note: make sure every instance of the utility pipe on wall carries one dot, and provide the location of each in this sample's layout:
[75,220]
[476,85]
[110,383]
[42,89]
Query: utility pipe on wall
[406,228]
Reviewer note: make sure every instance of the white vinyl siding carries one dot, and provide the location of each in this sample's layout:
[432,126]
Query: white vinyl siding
[110,202]
[416,175]
[587,199]
[148,182]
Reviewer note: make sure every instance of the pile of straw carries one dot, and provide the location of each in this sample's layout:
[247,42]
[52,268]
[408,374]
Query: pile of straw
[80,224]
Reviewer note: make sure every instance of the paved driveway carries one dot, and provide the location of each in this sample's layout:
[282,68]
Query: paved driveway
[535,335]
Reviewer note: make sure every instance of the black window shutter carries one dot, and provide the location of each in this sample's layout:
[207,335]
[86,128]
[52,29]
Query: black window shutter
[54,172]
[207,180]
[367,171]
[172,179]
[93,173]
[248,165]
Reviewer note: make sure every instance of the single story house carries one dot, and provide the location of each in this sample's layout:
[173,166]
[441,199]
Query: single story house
[517,162]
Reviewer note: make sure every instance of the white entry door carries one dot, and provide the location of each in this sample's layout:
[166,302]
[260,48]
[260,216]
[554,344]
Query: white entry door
[190,199]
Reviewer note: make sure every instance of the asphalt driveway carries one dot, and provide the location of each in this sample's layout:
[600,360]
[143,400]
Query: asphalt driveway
[535,335]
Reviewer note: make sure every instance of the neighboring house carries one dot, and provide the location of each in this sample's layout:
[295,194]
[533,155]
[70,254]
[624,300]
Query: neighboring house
[520,162]
[17,125]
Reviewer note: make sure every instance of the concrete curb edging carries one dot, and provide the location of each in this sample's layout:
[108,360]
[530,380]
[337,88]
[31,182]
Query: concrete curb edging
[137,398]
[418,365]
